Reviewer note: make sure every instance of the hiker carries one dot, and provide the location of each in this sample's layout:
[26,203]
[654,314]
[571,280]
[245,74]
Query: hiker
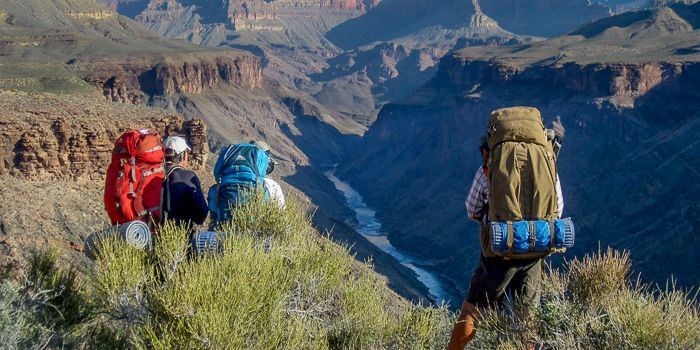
[515,183]
[182,197]
[239,172]
[271,186]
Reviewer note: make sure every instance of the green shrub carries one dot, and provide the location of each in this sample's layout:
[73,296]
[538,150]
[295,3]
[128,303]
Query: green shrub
[280,285]
[45,308]
[277,285]
[56,292]
[19,328]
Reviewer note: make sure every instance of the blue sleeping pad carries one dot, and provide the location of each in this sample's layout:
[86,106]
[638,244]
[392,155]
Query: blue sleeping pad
[564,235]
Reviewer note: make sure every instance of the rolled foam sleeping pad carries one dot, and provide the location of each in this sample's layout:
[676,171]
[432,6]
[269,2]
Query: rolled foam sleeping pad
[564,235]
[135,233]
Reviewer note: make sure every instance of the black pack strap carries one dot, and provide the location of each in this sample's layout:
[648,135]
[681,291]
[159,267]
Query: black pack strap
[165,192]
[551,234]
[533,235]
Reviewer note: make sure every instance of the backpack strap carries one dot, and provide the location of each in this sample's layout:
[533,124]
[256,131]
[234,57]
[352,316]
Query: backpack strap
[151,150]
[485,159]
[533,235]
[153,171]
[510,240]
[551,234]
[165,192]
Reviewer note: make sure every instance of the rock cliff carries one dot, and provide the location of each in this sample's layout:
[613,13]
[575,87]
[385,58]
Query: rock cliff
[52,137]
[620,82]
[135,80]
[196,20]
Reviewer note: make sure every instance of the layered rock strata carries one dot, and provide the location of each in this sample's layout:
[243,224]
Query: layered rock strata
[135,80]
[596,80]
[51,137]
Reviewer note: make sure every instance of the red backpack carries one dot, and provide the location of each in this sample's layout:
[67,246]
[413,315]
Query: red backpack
[134,178]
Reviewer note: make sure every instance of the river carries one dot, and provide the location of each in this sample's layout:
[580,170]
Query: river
[371,228]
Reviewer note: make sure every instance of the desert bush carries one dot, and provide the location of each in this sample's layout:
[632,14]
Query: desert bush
[19,328]
[45,308]
[593,305]
[277,285]
[55,292]
[280,285]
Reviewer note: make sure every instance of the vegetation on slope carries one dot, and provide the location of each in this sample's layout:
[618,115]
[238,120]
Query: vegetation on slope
[278,285]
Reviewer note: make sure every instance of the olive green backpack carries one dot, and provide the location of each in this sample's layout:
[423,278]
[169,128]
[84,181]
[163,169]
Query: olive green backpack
[522,170]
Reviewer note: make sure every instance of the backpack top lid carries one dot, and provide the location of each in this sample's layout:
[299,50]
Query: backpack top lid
[516,124]
[143,144]
[236,160]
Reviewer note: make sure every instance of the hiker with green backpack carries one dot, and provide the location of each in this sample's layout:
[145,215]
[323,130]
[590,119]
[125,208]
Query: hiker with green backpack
[516,197]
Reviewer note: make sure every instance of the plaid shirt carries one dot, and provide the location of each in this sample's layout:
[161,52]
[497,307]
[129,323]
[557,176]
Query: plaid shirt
[478,198]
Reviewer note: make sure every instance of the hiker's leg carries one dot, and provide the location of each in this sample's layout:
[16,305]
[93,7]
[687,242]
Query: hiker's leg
[526,287]
[526,284]
[464,330]
[487,289]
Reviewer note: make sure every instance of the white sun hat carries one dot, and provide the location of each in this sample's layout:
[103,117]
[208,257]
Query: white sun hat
[176,145]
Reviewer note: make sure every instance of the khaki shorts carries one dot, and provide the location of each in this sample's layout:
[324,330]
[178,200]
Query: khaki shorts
[496,277]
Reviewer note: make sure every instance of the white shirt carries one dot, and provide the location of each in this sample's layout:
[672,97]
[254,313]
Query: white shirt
[275,191]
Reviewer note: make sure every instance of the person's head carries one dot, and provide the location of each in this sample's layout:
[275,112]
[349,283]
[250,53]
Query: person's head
[268,150]
[176,151]
[484,144]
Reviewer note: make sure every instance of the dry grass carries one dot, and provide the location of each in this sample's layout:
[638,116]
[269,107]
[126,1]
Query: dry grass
[593,305]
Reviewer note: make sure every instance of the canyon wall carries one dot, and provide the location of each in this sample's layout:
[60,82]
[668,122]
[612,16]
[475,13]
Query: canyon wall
[240,15]
[605,80]
[135,80]
[630,163]
[51,137]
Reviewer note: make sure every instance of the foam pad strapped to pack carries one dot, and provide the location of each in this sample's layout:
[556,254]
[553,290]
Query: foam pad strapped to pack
[528,236]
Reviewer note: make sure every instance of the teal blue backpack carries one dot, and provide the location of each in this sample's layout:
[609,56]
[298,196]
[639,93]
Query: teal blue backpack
[239,171]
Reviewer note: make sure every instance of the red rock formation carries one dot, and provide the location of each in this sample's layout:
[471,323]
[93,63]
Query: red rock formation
[244,14]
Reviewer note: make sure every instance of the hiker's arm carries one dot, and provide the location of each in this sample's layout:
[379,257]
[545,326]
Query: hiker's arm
[199,203]
[560,198]
[478,194]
